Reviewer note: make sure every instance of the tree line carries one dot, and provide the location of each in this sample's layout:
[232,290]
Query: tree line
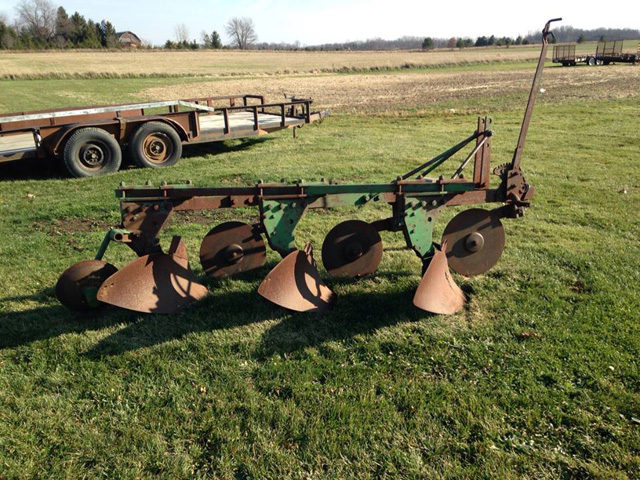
[241,31]
[40,25]
[563,34]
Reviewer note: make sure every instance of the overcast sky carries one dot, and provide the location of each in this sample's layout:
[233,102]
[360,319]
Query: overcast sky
[328,21]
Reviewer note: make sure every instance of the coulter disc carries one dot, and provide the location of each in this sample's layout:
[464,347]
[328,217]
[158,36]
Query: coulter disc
[475,241]
[352,249]
[78,285]
[231,248]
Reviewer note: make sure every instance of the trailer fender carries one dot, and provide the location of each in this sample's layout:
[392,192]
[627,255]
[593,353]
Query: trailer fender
[182,133]
[56,143]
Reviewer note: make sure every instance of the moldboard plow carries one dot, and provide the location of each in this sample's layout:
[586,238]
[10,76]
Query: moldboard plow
[162,282]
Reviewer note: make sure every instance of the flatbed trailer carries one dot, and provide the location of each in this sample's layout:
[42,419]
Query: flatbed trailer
[90,140]
[606,53]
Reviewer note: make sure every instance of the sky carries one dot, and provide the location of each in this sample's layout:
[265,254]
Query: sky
[332,21]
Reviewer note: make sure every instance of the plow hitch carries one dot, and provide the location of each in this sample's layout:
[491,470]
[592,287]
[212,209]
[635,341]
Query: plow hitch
[471,244]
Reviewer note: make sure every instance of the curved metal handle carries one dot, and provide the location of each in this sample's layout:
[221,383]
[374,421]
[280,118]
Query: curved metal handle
[546,30]
[517,155]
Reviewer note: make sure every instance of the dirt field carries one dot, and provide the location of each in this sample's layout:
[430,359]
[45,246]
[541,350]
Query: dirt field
[222,63]
[415,90]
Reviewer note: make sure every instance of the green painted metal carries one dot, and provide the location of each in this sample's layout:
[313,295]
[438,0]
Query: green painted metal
[176,192]
[419,218]
[91,296]
[108,238]
[279,219]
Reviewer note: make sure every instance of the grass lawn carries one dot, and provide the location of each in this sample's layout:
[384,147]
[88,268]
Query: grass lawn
[537,378]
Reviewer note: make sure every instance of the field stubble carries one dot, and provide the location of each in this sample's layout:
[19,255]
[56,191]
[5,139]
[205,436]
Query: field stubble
[414,90]
[225,63]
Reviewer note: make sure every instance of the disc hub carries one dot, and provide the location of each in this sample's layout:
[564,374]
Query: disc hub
[234,253]
[474,242]
[353,251]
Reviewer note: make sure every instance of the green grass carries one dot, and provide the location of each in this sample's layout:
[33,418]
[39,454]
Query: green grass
[537,378]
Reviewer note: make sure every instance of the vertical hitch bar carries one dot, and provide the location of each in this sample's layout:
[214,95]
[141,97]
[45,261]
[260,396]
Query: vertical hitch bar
[517,156]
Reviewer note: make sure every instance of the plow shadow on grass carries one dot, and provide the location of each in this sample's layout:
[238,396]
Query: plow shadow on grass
[354,314]
[42,323]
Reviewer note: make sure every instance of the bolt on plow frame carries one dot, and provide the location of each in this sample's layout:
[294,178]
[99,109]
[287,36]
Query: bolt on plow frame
[162,282]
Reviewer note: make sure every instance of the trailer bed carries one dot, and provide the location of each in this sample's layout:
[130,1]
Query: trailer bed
[243,122]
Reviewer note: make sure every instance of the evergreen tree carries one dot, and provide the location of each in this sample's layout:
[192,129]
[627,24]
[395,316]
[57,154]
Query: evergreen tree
[64,28]
[78,34]
[427,44]
[216,42]
[92,39]
[108,35]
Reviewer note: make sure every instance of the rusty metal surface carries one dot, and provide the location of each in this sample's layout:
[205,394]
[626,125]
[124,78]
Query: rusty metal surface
[157,283]
[352,249]
[475,241]
[438,293]
[295,284]
[230,248]
[517,156]
[77,286]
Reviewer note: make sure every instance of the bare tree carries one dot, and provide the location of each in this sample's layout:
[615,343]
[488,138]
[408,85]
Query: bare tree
[39,16]
[205,39]
[181,33]
[4,18]
[241,32]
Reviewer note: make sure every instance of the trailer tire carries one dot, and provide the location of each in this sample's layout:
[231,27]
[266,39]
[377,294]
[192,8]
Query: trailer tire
[155,145]
[90,152]
[591,61]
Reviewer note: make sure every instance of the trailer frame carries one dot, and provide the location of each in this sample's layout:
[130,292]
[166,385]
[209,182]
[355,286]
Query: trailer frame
[607,52]
[44,134]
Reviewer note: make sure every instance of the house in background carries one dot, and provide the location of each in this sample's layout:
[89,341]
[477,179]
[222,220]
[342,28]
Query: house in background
[129,40]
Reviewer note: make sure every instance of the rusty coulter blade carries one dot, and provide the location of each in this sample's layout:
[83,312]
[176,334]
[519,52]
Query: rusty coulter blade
[157,283]
[437,292]
[295,284]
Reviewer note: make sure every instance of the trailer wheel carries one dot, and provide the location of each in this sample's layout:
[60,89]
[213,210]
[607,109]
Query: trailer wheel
[90,152]
[591,61]
[154,145]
